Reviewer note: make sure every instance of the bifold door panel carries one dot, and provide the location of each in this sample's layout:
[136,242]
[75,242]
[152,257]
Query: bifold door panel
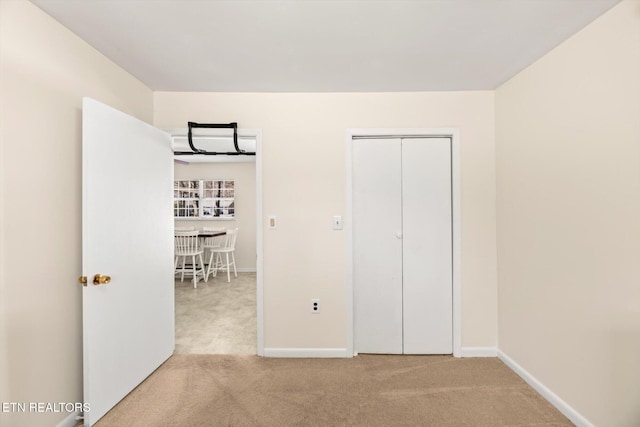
[402,246]
[377,218]
[427,256]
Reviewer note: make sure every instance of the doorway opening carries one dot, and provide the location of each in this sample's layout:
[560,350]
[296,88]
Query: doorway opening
[223,315]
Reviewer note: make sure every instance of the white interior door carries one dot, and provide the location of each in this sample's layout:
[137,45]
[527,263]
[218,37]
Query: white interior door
[128,324]
[427,246]
[377,255]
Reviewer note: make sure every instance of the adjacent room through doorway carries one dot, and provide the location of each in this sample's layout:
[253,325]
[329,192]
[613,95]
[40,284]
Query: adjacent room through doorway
[219,315]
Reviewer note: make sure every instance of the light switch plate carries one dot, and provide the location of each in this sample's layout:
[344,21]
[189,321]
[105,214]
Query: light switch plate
[271,223]
[337,222]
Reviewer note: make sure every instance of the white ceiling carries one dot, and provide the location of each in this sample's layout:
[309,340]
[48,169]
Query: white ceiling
[324,45]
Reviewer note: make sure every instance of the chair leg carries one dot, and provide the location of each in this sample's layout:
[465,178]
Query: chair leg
[205,275]
[204,256]
[207,269]
[213,266]
[195,267]
[233,257]
[184,259]
[217,264]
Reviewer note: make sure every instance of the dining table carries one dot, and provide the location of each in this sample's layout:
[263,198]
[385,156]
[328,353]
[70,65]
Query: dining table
[205,234]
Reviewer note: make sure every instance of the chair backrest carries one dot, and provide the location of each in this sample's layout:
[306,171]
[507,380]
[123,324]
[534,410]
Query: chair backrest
[184,228]
[215,241]
[230,242]
[186,242]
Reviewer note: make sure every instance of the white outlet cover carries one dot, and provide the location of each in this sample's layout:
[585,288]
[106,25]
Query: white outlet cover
[315,306]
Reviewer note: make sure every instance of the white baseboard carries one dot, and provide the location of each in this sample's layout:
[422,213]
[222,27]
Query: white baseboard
[562,406]
[342,352]
[478,352]
[246,270]
[70,420]
[306,352]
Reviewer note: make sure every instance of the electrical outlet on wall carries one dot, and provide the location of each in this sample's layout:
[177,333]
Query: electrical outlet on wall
[315,306]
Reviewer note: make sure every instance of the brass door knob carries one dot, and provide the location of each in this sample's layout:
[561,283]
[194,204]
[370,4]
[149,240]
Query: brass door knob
[100,279]
[82,280]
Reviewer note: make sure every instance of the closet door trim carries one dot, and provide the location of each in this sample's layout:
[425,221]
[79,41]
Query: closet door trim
[454,134]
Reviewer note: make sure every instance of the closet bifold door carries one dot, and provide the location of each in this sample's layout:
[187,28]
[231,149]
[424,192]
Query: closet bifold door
[377,245]
[427,246]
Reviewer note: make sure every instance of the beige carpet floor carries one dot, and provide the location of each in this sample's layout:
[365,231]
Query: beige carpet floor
[218,317]
[368,390]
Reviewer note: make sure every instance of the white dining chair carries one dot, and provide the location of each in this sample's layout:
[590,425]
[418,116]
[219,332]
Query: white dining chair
[210,243]
[219,263]
[181,229]
[187,245]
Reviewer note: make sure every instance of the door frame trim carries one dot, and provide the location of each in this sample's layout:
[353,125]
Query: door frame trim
[452,133]
[259,247]
[257,134]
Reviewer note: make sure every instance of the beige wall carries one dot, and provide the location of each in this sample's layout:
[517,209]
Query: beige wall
[45,70]
[244,175]
[304,184]
[568,175]
[567,157]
